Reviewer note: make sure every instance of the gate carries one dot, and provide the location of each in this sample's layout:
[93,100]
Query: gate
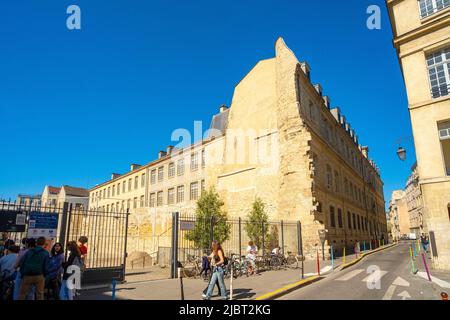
[191,237]
[106,233]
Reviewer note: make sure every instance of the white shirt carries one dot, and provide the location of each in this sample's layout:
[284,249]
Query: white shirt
[252,251]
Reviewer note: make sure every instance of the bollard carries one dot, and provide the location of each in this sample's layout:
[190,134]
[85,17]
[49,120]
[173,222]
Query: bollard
[426,267]
[444,296]
[413,250]
[370,245]
[343,256]
[382,241]
[181,283]
[413,268]
[231,282]
[113,295]
[318,263]
[332,258]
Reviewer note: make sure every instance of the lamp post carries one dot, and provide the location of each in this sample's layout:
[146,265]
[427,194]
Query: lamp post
[401,153]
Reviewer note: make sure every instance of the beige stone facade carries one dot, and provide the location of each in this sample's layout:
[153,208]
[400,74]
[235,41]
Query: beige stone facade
[281,141]
[398,214]
[414,204]
[422,38]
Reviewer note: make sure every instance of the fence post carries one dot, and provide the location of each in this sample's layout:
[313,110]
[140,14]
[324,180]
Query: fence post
[174,264]
[263,246]
[300,245]
[63,224]
[282,237]
[211,230]
[125,253]
[240,239]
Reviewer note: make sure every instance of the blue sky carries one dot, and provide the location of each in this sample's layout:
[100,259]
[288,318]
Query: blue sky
[76,106]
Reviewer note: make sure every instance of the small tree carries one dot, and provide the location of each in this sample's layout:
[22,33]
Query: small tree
[256,218]
[209,210]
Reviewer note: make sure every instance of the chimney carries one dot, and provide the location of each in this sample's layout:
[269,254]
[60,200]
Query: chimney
[169,149]
[355,138]
[306,69]
[161,154]
[115,176]
[365,151]
[342,121]
[347,127]
[223,108]
[134,166]
[336,112]
[327,102]
[318,88]
[352,133]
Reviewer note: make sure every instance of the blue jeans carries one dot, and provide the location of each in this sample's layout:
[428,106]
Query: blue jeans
[65,293]
[217,275]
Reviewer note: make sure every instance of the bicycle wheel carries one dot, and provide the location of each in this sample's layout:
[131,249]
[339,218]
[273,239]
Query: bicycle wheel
[275,263]
[292,262]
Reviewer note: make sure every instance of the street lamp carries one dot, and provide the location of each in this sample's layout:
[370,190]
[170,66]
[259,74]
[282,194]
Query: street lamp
[401,153]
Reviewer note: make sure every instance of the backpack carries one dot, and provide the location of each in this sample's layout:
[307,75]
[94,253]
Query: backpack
[33,264]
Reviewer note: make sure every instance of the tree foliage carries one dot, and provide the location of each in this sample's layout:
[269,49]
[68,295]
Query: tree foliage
[256,218]
[209,212]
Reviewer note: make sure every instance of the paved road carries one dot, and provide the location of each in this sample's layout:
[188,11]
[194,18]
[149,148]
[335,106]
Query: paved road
[359,282]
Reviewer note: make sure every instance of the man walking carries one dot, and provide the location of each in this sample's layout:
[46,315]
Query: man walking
[33,269]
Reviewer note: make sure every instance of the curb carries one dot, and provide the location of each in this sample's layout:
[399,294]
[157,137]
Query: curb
[289,288]
[345,266]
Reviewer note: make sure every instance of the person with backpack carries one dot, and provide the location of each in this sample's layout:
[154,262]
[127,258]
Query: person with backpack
[33,269]
[53,279]
[67,292]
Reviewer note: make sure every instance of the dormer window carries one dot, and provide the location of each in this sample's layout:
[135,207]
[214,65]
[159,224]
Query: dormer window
[429,7]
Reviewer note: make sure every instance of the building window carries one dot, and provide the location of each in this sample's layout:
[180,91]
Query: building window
[129,185]
[203,158]
[171,172]
[180,167]
[332,218]
[180,194]
[329,177]
[134,203]
[354,221]
[170,196]
[359,222]
[336,181]
[123,186]
[153,176]
[448,211]
[159,200]
[340,218]
[152,199]
[194,161]
[428,7]
[160,173]
[444,136]
[143,180]
[136,182]
[109,192]
[438,64]
[194,191]
[141,201]
[128,204]
[118,188]
[113,190]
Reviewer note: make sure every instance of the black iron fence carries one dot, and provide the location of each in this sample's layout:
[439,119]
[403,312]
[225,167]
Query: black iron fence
[192,236]
[106,233]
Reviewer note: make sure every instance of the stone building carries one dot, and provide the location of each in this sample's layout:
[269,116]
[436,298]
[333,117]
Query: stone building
[398,214]
[27,200]
[413,196]
[421,32]
[280,141]
[78,198]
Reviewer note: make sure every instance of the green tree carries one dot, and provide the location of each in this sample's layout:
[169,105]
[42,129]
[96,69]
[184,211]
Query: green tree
[255,220]
[209,208]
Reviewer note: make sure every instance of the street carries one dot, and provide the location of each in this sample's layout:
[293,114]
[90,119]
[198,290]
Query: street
[357,282]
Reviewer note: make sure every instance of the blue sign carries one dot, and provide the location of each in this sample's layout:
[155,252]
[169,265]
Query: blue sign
[42,224]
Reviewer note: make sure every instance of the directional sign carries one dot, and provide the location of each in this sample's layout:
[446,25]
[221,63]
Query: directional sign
[404,295]
[42,224]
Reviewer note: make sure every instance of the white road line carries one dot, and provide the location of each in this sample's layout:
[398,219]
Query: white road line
[399,281]
[350,275]
[439,282]
[373,277]
[390,292]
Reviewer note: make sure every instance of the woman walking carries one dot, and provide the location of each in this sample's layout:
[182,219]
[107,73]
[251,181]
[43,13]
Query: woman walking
[55,270]
[67,293]
[217,262]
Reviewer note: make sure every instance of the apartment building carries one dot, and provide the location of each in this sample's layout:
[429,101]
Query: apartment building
[414,203]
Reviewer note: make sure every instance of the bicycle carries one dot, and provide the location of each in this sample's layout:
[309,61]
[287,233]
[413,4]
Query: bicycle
[192,266]
[292,260]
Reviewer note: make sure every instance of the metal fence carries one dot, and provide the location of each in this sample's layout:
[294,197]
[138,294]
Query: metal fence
[106,233]
[192,236]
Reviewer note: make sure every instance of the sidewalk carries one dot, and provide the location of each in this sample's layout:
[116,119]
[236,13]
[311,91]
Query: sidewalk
[244,288]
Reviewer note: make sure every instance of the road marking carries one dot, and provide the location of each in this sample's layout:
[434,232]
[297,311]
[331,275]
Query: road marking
[325,269]
[399,281]
[350,275]
[390,292]
[404,295]
[375,276]
[439,282]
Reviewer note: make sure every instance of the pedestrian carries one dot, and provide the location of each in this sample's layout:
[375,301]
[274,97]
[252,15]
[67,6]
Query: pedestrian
[53,279]
[27,244]
[252,251]
[7,262]
[205,266]
[34,268]
[83,249]
[217,259]
[67,290]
